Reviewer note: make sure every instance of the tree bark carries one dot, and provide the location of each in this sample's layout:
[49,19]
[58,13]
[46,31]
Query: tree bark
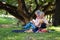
[56,16]
[22,11]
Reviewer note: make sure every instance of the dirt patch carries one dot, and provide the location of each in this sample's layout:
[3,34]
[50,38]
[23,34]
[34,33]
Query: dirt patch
[7,25]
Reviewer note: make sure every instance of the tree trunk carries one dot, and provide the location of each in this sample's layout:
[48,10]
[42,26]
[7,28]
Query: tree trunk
[56,16]
[22,11]
[12,10]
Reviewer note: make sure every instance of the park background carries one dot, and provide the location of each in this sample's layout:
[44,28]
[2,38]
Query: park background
[16,13]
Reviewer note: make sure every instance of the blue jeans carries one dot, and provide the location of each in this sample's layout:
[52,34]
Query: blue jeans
[29,25]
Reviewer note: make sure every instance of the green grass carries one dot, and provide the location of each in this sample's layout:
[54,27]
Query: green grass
[6,20]
[7,34]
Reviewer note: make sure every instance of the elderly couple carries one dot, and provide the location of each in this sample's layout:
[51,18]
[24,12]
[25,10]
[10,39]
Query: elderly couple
[35,25]
[38,24]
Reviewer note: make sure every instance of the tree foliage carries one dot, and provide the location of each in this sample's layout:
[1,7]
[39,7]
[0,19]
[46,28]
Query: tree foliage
[24,9]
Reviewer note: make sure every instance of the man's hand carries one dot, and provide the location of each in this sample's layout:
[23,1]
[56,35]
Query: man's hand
[33,21]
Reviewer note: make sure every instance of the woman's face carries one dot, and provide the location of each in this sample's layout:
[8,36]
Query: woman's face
[42,15]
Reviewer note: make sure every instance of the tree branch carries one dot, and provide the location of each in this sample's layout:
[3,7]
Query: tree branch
[36,3]
[37,7]
[12,10]
[47,6]
[24,7]
[21,9]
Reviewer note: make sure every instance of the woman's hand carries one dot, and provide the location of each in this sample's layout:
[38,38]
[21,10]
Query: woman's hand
[41,21]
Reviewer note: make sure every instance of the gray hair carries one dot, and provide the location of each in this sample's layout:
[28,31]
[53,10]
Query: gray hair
[38,12]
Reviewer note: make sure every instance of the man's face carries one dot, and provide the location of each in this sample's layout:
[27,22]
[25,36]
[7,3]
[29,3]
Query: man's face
[40,15]
[37,15]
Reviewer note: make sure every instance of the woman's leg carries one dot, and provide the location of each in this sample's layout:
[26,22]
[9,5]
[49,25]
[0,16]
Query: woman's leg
[43,25]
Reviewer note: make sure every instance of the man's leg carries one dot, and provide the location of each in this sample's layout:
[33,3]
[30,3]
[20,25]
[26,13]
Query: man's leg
[27,26]
[33,26]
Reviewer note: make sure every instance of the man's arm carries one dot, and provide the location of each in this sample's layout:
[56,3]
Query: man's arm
[33,21]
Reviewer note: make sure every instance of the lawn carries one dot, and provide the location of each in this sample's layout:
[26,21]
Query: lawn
[7,20]
[7,34]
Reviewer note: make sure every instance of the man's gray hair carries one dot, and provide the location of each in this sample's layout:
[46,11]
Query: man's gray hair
[38,12]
